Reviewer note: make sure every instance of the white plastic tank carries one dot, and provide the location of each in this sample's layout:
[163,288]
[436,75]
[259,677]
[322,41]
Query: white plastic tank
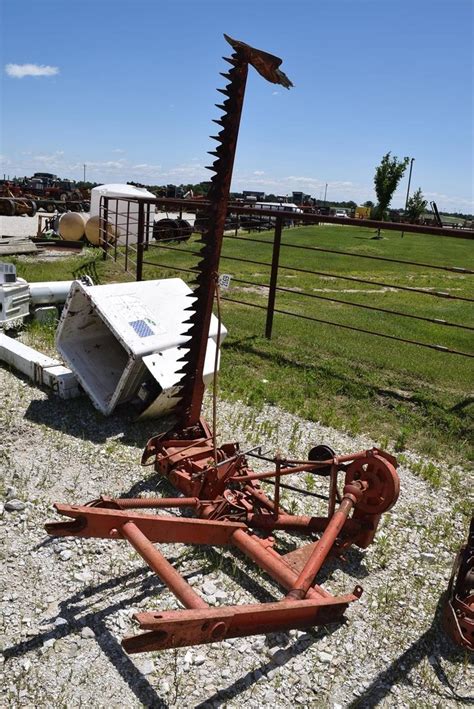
[123,216]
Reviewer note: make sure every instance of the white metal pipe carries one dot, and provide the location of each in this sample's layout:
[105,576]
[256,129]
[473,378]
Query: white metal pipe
[49,292]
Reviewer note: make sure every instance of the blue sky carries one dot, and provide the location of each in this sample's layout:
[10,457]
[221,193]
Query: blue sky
[131,87]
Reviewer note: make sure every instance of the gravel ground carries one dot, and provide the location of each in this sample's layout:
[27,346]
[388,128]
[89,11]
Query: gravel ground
[67,603]
[18,226]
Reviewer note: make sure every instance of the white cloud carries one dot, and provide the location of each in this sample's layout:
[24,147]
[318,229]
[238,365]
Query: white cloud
[108,165]
[275,93]
[19,71]
[188,173]
[456,203]
[258,172]
[54,160]
[118,150]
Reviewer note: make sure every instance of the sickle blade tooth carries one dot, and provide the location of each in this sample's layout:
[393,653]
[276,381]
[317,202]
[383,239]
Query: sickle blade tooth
[218,121]
[223,91]
[221,106]
[231,60]
[209,167]
[225,75]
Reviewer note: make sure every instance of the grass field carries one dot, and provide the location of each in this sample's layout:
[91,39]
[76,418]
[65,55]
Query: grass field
[399,393]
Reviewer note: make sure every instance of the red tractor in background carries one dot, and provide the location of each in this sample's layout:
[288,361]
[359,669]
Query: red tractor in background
[41,191]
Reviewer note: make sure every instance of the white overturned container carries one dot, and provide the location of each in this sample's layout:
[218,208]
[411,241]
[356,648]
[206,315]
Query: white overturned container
[123,342]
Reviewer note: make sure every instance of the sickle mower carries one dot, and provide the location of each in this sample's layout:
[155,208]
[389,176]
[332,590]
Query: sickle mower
[230,507]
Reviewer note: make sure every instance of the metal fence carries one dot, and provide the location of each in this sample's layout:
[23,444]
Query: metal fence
[134,235]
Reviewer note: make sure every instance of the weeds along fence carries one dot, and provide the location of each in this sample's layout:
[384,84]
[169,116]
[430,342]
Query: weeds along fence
[406,298]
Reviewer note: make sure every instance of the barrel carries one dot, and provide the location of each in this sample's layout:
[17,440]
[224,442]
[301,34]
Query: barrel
[95,234]
[72,226]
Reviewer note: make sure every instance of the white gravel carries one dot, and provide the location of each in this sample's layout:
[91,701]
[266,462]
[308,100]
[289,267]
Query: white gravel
[66,603]
[18,226]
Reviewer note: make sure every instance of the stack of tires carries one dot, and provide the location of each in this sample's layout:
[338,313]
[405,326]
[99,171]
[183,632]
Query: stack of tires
[172,230]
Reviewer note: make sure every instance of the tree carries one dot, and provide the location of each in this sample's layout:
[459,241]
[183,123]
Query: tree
[416,206]
[387,176]
[369,204]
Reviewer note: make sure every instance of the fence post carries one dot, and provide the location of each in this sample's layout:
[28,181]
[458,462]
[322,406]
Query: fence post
[140,236]
[273,277]
[103,222]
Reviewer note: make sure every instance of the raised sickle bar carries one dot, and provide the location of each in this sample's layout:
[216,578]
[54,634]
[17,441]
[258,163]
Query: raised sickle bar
[181,628]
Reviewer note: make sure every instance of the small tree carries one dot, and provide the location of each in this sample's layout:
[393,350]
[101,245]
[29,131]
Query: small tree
[416,206]
[387,176]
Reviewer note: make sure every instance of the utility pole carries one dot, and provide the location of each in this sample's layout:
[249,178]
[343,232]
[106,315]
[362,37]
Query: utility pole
[84,172]
[325,193]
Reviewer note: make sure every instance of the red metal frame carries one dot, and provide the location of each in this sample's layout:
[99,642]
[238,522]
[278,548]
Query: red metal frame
[233,510]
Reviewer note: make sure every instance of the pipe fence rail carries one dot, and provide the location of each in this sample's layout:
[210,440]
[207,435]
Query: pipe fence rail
[133,231]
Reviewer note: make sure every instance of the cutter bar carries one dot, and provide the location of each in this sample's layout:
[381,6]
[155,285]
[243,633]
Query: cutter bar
[197,627]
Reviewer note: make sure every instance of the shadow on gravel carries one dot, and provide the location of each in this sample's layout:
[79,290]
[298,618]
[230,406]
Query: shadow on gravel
[74,612]
[75,616]
[434,645]
[280,658]
[78,418]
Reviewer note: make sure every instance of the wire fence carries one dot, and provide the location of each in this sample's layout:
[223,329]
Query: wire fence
[144,241]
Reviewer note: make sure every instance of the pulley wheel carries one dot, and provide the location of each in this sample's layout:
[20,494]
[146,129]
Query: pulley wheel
[321,452]
[383,483]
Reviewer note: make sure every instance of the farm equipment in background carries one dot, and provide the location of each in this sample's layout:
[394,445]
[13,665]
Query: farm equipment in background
[216,482]
[42,191]
[437,217]
[11,204]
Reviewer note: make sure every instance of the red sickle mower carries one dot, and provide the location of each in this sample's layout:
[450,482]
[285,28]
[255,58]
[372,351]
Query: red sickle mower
[231,509]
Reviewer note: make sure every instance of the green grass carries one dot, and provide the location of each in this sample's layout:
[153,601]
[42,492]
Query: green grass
[414,397]
[411,396]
